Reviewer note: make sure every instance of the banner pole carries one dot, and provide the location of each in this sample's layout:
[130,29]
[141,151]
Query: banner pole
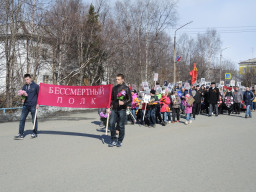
[145,111]
[107,125]
[35,120]
[132,116]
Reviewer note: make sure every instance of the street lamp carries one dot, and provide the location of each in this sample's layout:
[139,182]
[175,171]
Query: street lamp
[174,56]
[221,59]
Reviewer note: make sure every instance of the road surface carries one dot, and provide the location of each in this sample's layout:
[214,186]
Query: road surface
[216,154]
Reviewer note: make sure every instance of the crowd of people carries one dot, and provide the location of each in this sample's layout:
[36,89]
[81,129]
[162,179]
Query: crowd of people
[166,107]
[149,107]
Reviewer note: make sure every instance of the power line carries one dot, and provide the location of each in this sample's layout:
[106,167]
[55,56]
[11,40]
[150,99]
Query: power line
[219,27]
[225,29]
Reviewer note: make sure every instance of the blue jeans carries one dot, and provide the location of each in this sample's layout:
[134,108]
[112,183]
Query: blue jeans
[134,114]
[151,116]
[211,109]
[169,116]
[24,114]
[248,111]
[188,116]
[254,105]
[119,117]
[164,116]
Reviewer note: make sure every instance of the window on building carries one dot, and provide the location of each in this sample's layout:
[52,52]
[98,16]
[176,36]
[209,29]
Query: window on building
[46,79]
[244,70]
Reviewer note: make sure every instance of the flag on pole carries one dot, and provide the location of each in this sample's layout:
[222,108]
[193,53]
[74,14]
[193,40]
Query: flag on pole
[178,58]
[193,74]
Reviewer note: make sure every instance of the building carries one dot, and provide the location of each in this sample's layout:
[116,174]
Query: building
[32,54]
[248,66]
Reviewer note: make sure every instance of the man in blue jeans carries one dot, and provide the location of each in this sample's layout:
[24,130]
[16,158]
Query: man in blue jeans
[248,98]
[29,105]
[118,111]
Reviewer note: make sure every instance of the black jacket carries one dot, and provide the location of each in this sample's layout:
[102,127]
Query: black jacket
[206,97]
[248,97]
[213,95]
[32,91]
[198,97]
[127,99]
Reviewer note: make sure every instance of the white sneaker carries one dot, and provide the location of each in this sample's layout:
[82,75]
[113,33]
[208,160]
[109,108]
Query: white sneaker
[186,122]
[190,121]
[33,135]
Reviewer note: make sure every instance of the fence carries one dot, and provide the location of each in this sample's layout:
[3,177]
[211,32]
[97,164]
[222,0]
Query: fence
[4,109]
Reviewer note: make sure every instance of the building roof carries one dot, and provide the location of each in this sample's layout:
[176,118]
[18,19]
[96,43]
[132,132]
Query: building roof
[25,31]
[248,62]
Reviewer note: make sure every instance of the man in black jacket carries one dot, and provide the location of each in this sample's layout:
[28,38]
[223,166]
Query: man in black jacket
[118,110]
[214,94]
[197,104]
[29,105]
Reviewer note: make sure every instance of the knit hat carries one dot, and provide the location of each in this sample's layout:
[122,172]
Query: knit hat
[153,91]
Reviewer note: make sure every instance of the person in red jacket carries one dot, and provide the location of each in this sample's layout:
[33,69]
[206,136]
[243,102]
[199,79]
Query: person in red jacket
[164,104]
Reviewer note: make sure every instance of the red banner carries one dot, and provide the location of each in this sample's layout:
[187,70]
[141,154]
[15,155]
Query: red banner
[75,96]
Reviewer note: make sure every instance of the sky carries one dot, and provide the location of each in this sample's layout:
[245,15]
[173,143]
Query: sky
[231,18]
[234,20]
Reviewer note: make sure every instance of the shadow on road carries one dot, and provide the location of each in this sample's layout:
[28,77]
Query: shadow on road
[103,138]
[96,122]
[66,118]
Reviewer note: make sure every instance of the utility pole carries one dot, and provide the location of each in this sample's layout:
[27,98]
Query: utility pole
[221,59]
[174,53]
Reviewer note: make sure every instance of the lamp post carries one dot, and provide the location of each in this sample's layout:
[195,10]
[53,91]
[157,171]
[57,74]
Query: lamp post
[221,59]
[174,52]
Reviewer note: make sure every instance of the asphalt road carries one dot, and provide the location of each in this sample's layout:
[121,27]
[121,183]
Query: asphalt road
[214,154]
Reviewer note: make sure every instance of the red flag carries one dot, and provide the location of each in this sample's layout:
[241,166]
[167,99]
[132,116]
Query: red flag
[193,74]
[75,96]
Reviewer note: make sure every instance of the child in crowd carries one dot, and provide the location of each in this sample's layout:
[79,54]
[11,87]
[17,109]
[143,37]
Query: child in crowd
[134,105]
[164,103]
[188,109]
[176,101]
[103,116]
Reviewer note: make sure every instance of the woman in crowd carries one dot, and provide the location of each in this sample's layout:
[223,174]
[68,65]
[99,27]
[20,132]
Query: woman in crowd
[164,103]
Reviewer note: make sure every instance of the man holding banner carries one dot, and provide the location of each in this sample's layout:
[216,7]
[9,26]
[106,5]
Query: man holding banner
[120,99]
[29,105]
